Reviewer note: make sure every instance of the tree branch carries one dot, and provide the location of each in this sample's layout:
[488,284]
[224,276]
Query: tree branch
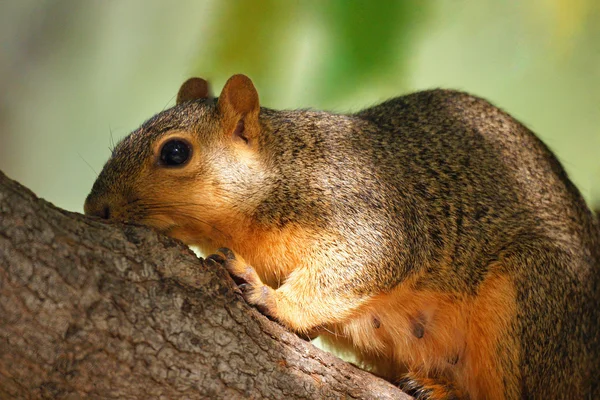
[94,310]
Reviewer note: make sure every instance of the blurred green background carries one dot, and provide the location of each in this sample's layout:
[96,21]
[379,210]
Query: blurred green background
[76,75]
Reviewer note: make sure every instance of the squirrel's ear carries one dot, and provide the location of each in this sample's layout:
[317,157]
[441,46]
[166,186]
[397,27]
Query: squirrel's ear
[239,108]
[193,89]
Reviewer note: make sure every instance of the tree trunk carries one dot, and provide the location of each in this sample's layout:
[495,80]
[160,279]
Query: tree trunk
[90,309]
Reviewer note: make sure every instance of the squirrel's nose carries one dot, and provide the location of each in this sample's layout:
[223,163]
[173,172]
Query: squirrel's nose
[96,208]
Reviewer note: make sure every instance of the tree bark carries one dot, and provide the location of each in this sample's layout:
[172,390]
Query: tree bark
[90,309]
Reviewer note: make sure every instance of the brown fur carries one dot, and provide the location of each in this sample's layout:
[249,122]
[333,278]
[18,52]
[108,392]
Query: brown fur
[433,235]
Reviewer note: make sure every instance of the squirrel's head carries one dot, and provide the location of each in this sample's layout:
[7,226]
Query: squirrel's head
[191,171]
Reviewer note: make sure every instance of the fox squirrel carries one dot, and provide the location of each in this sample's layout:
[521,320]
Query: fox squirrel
[433,234]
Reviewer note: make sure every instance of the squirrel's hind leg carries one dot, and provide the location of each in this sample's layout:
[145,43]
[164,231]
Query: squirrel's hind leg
[424,388]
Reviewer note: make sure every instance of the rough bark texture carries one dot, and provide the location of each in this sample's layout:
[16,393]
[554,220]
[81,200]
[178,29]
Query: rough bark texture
[91,310]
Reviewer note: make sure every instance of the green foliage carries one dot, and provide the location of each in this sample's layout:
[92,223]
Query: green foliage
[369,37]
[359,39]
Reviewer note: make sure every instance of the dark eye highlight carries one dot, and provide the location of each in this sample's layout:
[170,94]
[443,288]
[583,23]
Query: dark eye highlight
[175,152]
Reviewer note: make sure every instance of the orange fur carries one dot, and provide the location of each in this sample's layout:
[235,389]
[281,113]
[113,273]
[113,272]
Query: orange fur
[461,336]
[275,253]
[489,336]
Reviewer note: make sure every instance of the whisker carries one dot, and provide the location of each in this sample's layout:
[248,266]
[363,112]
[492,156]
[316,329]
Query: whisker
[111,146]
[88,164]
[169,102]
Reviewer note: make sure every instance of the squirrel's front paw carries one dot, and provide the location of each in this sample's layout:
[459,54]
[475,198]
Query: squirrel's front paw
[254,290]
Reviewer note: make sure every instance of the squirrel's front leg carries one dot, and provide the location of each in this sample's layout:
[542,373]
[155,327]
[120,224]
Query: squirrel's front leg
[254,290]
[308,299]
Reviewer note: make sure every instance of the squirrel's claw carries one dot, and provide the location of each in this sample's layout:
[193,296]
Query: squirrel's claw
[238,268]
[253,289]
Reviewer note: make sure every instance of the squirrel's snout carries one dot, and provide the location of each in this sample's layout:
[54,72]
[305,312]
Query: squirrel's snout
[96,208]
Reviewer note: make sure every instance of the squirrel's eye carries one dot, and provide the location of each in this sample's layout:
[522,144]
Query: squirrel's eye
[175,152]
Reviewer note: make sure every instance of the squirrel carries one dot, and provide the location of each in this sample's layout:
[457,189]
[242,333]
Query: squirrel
[434,235]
